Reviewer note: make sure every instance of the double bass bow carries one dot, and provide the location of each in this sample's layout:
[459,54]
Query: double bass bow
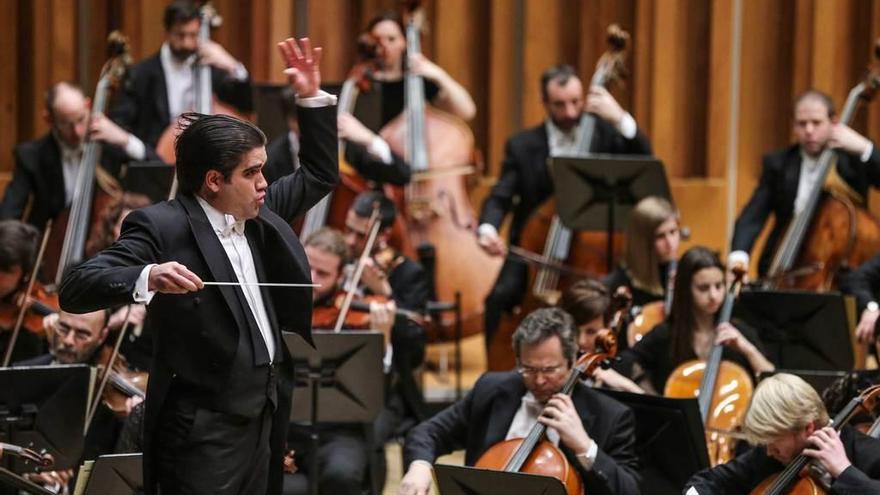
[832,231]
[723,388]
[795,479]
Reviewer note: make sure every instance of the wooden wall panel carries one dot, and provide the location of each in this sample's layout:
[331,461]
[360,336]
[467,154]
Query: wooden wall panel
[9,85]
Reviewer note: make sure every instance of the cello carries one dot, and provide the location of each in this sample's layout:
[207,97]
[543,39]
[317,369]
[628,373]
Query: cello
[536,455]
[82,210]
[545,233]
[653,313]
[795,478]
[833,231]
[439,148]
[723,389]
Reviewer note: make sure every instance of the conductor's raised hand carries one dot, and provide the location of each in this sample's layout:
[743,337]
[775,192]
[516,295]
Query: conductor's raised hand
[303,66]
[173,278]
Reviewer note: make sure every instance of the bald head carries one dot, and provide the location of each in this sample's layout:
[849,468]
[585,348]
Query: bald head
[78,336]
[67,111]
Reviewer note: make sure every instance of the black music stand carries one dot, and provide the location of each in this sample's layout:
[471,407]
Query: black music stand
[344,376]
[462,480]
[19,484]
[44,408]
[597,192]
[799,329]
[670,440]
[116,474]
[151,178]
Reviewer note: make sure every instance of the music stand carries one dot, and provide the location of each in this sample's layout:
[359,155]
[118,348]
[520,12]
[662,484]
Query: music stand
[151,178]
[44,408]
[10,479]
[116,474]
[597,192]
[344,376]
[463,480]
[670,439]
[799,329]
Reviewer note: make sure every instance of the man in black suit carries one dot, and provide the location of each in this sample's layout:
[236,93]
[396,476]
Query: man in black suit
[44,179]
[162,87]
[220,389]
[789,175]
[525,181]
[787,418]
[596,433]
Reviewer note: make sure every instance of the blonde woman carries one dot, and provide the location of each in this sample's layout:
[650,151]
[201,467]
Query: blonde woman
[786,419]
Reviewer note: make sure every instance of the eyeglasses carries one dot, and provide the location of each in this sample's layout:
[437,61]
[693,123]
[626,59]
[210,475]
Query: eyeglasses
[63,330]
[528,371]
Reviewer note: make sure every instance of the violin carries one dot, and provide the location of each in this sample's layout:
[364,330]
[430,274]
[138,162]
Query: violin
[723,388]
[536,455]
[358,316]
[38,304]
[123,382]
[43,459]
[795,479]
[653,313]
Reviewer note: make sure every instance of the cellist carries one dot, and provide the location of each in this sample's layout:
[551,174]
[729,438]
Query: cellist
[596,433]
[525,176]
[788,175]
[787,418]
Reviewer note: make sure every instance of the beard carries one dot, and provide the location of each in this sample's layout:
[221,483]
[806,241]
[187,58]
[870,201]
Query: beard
[181,54]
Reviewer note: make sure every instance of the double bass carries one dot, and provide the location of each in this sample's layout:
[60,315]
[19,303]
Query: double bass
[440,148]
[723,388]
[580,252]
[833,231]
[795,478]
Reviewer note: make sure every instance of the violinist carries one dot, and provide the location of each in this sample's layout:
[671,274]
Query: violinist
[864,284]
[525,181]
[596,433]
[365,149]
[283,151]
[691,330]
[45,173]
[653,235]
[787,418]
[18,248]
[162,87]
[587,301]
[790,174]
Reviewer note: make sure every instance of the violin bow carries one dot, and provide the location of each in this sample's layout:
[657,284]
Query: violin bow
[108,367]
[22,310]
[352,284]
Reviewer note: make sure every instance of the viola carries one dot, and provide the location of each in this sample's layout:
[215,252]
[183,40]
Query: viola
[715,382]
[795,479]
[123,383]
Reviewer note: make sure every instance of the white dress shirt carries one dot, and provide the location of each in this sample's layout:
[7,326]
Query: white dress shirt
[70,160]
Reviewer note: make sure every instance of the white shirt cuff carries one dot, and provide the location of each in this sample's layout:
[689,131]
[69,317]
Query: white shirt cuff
[135,148]
[142,294]
[627,126]
[866,155]
[422,462]
[588,458]
[322,99]
[387,359]
[487,229]
[380,149]
[240,72]
[738,258]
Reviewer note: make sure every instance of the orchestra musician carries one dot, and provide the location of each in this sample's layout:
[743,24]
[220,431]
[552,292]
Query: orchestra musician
[588,302]
[788,175]
[283,151]
[787,418]
[525,181]
[653,235]
[160,88]
[596,433]
[691,330]
[864,284]
[18,250]
[220,389]
[44,179]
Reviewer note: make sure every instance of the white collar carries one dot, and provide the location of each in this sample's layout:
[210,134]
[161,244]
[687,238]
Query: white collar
[222,223]
[169,61]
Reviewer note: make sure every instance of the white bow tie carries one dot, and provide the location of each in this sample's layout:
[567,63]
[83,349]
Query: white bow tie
[232,226]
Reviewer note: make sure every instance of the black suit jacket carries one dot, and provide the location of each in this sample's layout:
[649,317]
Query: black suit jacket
[483,417]
[525,176]
[39,175]
[777,191]
[863,283]
[197,334]
[745,472]
[142,106]
[279,160]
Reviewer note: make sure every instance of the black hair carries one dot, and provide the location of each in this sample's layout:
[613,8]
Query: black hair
[365,201]
[179,11]
[212,142]
[682,321]
[559,73]
[388,15]
[18,246]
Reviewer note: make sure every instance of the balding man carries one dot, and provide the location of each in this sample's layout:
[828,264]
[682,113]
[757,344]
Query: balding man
[46,168]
